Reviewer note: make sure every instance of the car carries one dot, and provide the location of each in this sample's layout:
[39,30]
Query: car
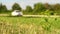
[16,13]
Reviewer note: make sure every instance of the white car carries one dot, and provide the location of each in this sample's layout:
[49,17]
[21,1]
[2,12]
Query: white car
[17,13]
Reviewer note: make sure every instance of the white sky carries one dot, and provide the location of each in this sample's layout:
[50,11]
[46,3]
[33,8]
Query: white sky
[24,3]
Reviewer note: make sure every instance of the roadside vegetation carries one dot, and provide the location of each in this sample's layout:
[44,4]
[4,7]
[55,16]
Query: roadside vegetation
[29,25]
[38,9]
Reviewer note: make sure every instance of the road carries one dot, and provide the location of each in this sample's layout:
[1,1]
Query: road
[40,16]
[32,15]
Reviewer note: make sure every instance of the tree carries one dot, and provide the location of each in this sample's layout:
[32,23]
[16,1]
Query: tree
[29,9]
[38,7]
[0,6]
[16,7]
[56,8]
[47,6]
[3,8]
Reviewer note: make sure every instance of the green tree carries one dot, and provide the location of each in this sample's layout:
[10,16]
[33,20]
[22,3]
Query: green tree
[29,9]
[0,7]
[16,7]
[38,7]
[3,8]
[47,6]
[57,8]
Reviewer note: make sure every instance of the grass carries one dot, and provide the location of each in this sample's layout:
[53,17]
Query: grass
[29,25]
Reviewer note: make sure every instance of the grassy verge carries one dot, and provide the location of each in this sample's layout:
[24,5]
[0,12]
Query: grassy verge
[29,25]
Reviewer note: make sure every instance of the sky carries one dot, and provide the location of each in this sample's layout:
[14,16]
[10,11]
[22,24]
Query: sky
[24,3]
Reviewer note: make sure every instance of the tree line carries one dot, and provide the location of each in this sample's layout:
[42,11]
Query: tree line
[39,9]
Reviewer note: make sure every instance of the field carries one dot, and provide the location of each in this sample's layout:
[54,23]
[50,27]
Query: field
[29,25]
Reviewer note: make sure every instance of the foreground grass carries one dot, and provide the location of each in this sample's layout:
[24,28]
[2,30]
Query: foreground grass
[29,25]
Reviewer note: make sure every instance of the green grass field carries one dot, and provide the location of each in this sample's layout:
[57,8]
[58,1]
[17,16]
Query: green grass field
[29,25]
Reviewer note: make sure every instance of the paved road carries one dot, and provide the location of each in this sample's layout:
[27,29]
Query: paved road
[40,16]
[32,15]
